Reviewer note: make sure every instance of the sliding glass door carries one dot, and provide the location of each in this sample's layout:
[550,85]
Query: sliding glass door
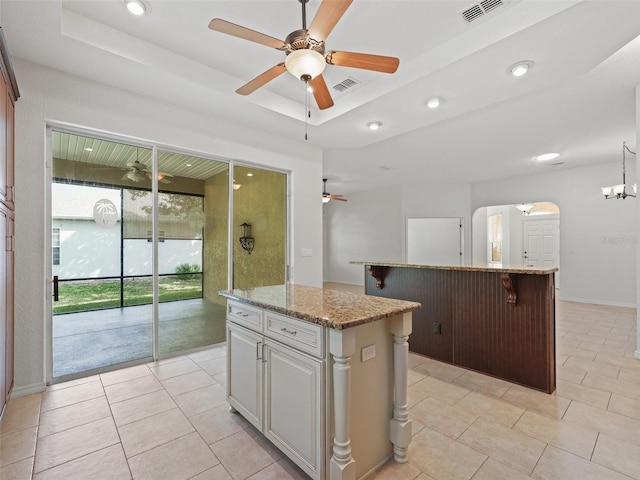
[193,206]
[102,289]
[140,249]
[259,227]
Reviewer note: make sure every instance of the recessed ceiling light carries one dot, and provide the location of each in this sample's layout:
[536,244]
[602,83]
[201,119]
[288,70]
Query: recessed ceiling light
[433,102]
[137,7]
[521,68]
[249,174]
[188,165]
[546,157]
[88,149]
[374,125]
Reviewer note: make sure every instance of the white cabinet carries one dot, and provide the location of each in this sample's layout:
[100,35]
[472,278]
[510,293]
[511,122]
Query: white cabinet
[293,405]
[277,388]
[244,373]
[8,96]
[305,383]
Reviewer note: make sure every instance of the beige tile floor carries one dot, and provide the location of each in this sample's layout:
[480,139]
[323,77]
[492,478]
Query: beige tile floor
[169,420]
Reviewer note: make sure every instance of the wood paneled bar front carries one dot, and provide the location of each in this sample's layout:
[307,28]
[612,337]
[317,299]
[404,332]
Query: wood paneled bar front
[497,321]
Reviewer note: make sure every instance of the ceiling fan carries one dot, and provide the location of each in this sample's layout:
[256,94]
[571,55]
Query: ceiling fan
[305,52]
[327,197]
[139,172]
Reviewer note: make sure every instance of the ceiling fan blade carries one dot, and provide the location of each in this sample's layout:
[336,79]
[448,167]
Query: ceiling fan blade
[334,197]
[365,61]
[321,92]
[327,16]
[261,79]
[229,28]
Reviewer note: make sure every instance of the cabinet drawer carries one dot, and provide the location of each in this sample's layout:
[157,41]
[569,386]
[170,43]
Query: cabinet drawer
[299,334]
[250,317]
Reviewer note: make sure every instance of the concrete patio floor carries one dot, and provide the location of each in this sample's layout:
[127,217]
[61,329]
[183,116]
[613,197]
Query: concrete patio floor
[89,340]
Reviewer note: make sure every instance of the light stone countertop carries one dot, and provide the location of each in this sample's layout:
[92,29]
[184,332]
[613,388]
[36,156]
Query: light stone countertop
[522,269]
[329,308]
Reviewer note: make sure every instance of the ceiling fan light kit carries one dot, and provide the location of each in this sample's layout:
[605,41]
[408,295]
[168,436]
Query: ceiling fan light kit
[305,64]
[327,197]
[136,176]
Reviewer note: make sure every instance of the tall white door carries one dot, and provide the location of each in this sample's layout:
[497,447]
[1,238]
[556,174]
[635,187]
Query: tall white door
[542,243]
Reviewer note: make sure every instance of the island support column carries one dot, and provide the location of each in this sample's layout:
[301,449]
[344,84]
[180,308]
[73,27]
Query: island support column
[342,345]
[400,327]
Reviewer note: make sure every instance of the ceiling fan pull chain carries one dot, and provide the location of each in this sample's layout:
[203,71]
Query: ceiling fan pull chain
[306,105]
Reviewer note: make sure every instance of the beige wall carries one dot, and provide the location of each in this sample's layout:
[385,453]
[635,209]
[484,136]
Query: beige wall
[216,212]
[261,201]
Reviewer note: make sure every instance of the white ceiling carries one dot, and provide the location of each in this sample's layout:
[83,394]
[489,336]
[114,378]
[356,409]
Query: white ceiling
[578,99]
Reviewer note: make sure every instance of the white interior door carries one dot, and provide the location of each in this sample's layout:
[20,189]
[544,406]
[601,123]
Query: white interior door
[434,241]
[542,243]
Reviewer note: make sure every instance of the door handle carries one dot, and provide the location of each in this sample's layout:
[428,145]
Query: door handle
[55,288]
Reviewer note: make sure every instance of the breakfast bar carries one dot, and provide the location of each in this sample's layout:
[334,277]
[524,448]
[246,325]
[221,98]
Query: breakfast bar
[322,374]
[494,320]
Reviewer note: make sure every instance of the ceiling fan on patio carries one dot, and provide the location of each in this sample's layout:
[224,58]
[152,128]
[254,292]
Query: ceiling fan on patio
[305,54]
[139,172]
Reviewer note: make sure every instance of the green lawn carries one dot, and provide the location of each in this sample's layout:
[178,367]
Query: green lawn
[96,294]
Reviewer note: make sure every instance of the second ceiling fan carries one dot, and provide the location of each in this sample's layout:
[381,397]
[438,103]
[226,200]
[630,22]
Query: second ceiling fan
[305,52]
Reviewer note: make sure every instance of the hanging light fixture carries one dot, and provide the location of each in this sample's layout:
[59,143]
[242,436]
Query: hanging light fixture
[524,207]
[620,190]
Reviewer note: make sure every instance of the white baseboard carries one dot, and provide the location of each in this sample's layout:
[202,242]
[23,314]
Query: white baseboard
[596,302]
[23,390]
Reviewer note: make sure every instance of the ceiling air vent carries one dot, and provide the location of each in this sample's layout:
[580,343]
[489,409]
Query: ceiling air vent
[488,5]
[480,9]
[345,84]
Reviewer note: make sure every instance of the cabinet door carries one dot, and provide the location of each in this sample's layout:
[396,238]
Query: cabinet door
[3,140]
[244,373]
[10,151]
[3,311]
[9,309]
[294,405]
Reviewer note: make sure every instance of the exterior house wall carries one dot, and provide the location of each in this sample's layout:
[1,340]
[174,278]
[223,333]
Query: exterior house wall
[88,251]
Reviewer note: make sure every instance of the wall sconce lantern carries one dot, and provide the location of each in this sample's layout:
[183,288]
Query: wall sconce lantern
[246,240]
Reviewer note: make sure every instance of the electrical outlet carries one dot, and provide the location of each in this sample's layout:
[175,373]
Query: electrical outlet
[368,352]
[306,252]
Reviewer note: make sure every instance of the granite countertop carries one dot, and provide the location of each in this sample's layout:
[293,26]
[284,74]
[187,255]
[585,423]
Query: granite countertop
[329,308]
[522,269]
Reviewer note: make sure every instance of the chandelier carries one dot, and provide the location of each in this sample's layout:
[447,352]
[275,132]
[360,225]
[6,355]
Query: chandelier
[620,190]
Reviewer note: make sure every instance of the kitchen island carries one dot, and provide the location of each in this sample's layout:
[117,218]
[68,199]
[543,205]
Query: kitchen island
[494,320]
[322,374]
